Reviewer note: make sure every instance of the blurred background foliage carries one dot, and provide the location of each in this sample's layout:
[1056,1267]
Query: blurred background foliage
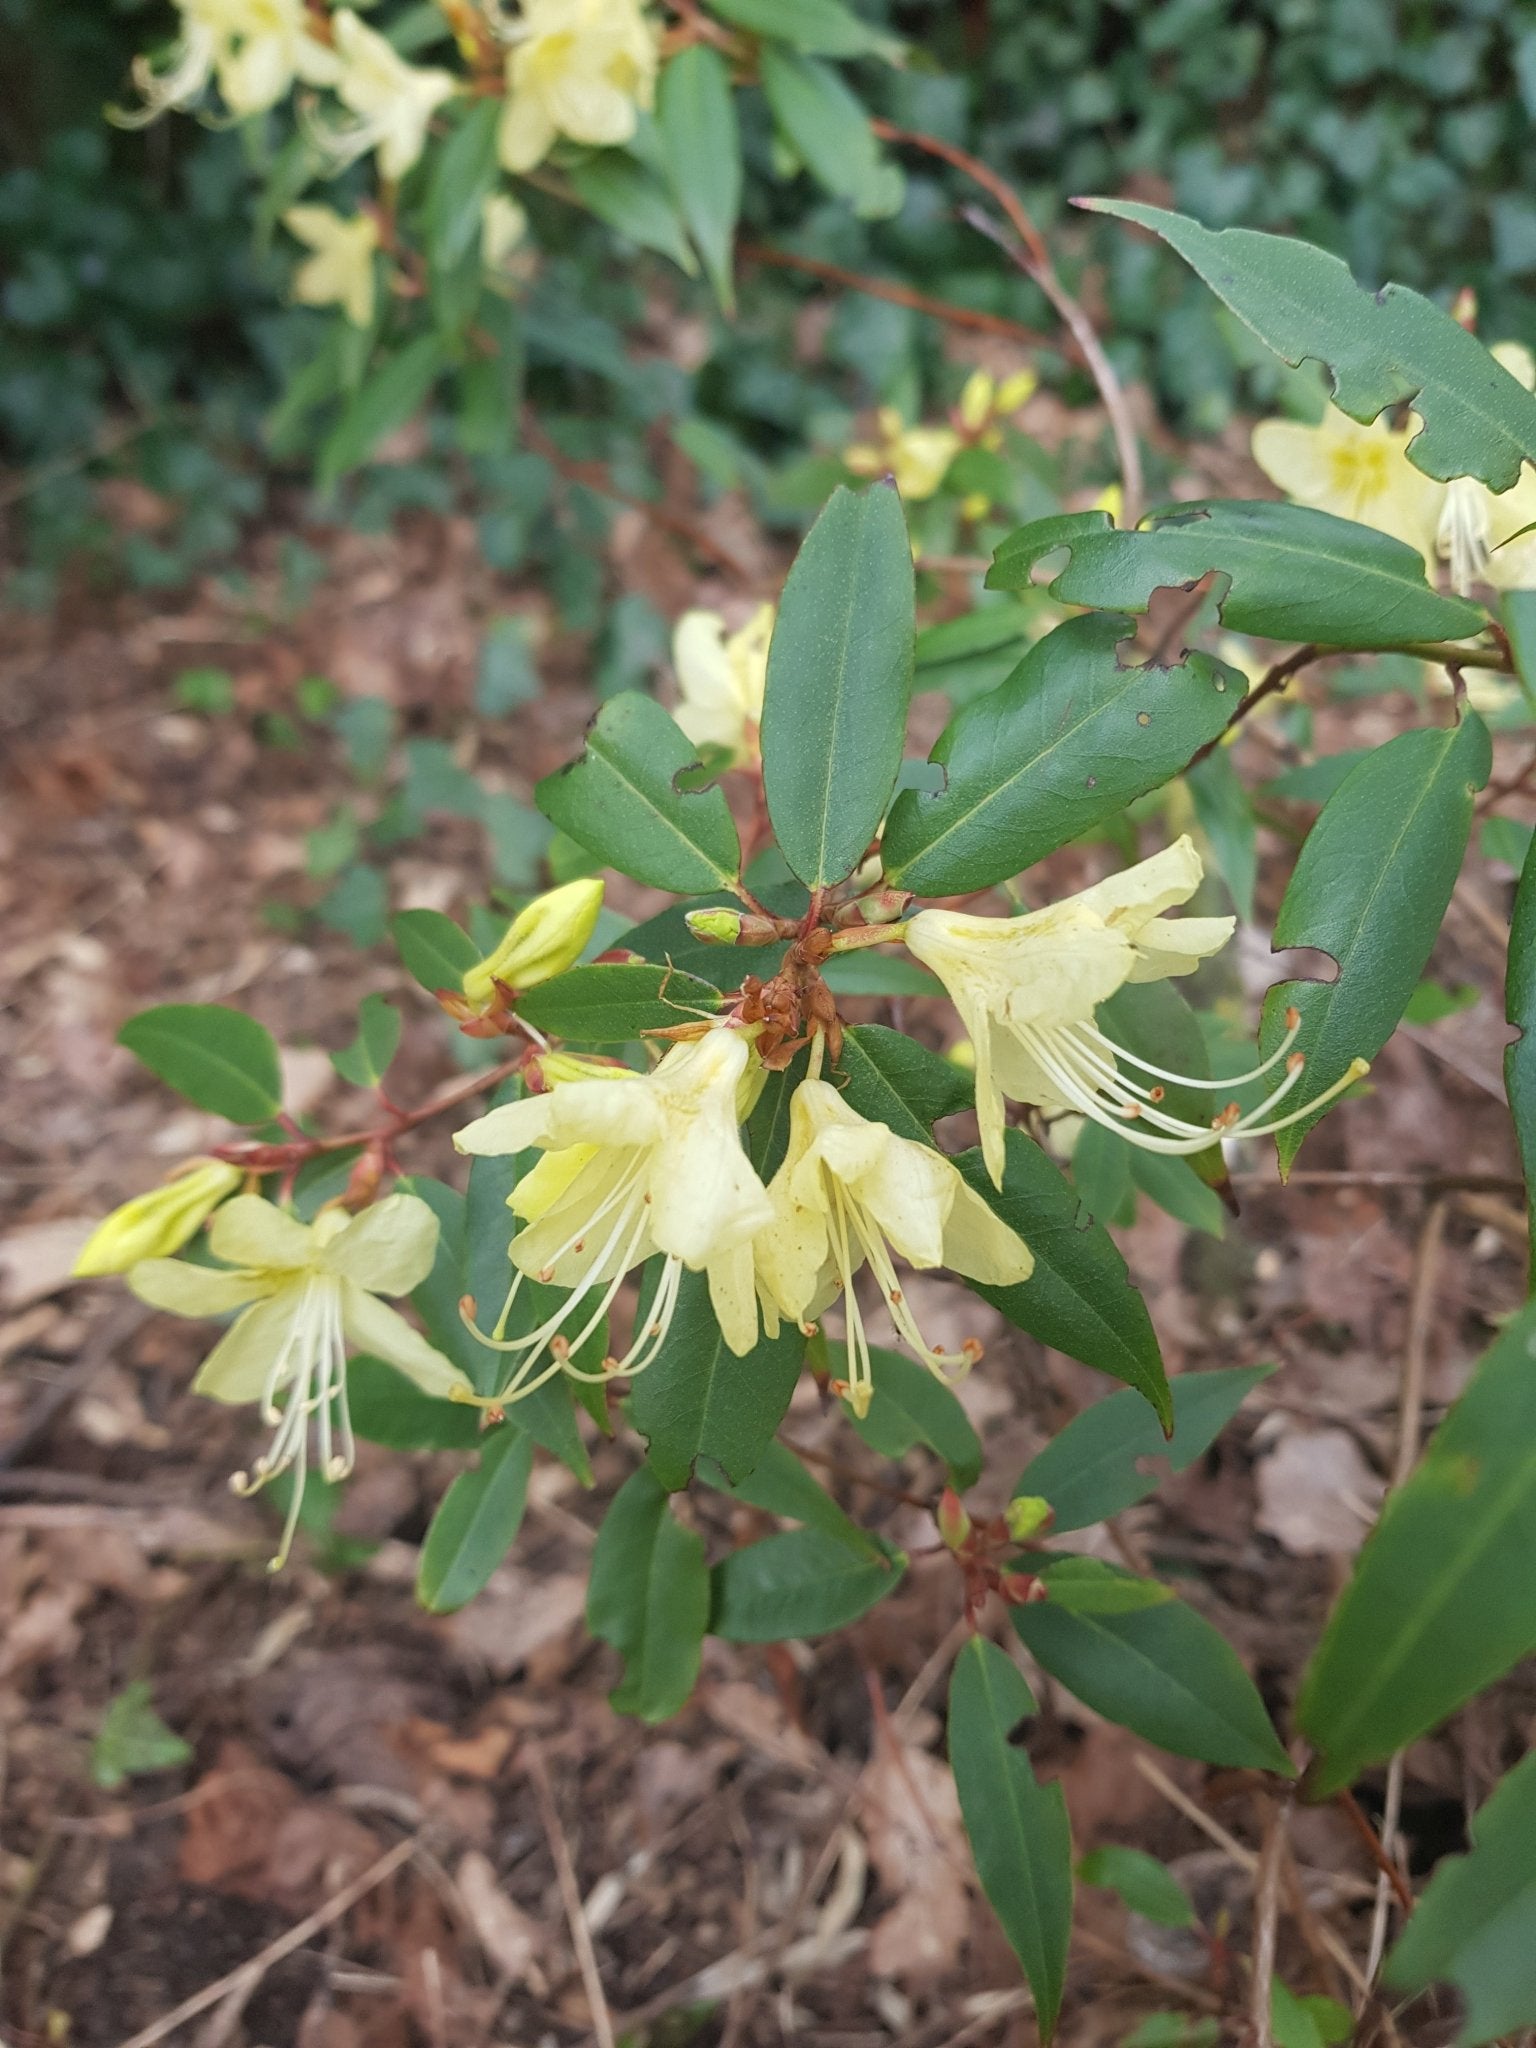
[146,331]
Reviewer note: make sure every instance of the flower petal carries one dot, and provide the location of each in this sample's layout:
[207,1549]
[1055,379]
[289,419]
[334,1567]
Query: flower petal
[237,1367]
[372,1326]
[1177,945]
[980,1245]
[1128,899]
[388,1248]
[733,1296]
[258,1235]
[183,1289]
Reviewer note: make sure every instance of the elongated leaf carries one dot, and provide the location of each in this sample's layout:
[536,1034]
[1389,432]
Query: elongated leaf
[621,801]
[696,113]
[1293,573]
[1443,1598]
[1161,1671]
[911,1406]
[218,1058]
[1517,610]
[463,173]
[1147,1886]
[1382,347]
[798,1583]
[839,681]
[1224,810]
[1068,740]
[1086,1585]
[828,129]
[1520,1010]
[1079,1299]
[1019,1832]
[1098,1464]
[387,1409]
[893,1080]
[649,1597]
[822,28]
[387,398]
[780,1485]
[610,1005]
[1370,887]
[477,1522]
[366,1060]
[436,952]
[698,1399]
[1475,1927]
[634,203]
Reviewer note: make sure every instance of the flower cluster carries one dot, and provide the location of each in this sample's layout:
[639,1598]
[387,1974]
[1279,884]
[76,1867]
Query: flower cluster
[919,457]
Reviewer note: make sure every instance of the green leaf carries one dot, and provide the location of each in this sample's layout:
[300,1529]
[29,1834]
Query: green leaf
[1224,812]
[1382,347]
[822,28]
[798,1583]
[366,1060]
[780,1485]
[913,1406]
[649,1597]
[696,114]
[1520,1010]
[387,1409]
[893,1080]
[1176,1187]
[1086,1585]
[698,1399]
[1145,1885]
[625,195]
[828,130]
[1517,610]
[1094,1467]
[464,169]
[864,973]
[1292,573]
[218,1058]
[1370,887]
[133,1740]
[612,1004]
[1443,1598]
[387,399]
[1067,741]
[1163,1672]
[839,681]
[1475,1926]
[1079,1299]
[505,676]
[477,1523]
[436,952]
[1019,1832]
[621,801]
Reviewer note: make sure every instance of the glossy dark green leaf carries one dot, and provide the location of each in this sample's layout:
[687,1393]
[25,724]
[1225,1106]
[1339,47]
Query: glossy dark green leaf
[893,1080]
[387,1409]
[218,1058]
[1079,1299]
[828,129]
[649,1597]
[1517,611]
[1145,1885]
[1067,741]
[1018,1828]
[1160,1670]
[822,28]
[780,1485]
[1443,1597]
[1293,573]
[1224,811]
[628,198]
[701,139]
[1383,347]
[436,952]
[1099,1463]
[366,1060]
[1520,1010]
[798,1583]
[913,1406]
[1370,887]
[766,1135]
[1475,1926]
[839,681]
[388,397]
[621,801]
[698,1399]
[612,1004]
[477,1523]
[464,171]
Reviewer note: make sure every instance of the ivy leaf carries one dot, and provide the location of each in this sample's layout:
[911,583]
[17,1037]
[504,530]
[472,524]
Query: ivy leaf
[1079,1299]
[611,1004]
[839,681]
[649,1597]
[1018,1828]
[1292,573]
[1443,1599]
[621,801]
[1068,740]
[477,1522]
[1383,347]
[1371,886]
[218,1058]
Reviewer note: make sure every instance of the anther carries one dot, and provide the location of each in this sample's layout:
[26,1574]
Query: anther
[1293,1018]
[973,1350]
[1156,1094]
[560,1347]
[545,1274]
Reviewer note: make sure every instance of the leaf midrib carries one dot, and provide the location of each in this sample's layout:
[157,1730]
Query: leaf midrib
[723,875]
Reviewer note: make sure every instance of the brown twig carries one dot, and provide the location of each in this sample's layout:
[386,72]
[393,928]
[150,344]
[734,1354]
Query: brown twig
[296,1150]
[1355,1814]
[1273,683]
[570,1895]
[1343,1177]
[1266,1924]
[897,294]
[1028,251]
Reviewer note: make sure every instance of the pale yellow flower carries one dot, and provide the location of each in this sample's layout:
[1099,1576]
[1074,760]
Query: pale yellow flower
[256,49]
[583,69]
[340,272]
[636,1165]
[720,678]
[394,101]
[503,225]
[1475,523]
[917,457]
[307,1291]
[543,940]
[1027,989]
[851,1193]
[155,1224]
[984,402]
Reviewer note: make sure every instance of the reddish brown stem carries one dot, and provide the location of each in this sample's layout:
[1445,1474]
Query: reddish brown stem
[897,294]
[1273,683]
[303,1147]
[1350,1807]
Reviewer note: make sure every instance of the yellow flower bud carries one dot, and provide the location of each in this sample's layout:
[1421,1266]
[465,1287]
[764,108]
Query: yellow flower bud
[541,941]
[1015,391]
[977,400]
[1026,1516]
[154,1225]
[716,927]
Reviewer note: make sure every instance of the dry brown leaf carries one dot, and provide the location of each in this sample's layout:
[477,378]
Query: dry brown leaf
[911,1820]
[1317,1495]
[509,1937]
